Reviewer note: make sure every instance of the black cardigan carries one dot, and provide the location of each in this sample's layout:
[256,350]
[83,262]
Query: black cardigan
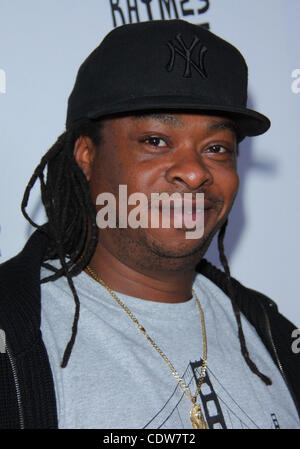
[27,396]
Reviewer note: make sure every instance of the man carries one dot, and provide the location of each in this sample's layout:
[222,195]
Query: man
[160,338]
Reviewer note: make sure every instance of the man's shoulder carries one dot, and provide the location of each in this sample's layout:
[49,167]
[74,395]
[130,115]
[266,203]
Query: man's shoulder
[245,297]
[20,293]
[26,262]
[258,308]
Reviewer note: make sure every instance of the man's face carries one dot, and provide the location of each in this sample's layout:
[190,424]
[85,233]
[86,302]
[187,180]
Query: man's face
[166,152]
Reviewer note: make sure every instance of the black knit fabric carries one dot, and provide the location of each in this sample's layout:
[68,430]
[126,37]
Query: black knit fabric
[25,368]
[20,316]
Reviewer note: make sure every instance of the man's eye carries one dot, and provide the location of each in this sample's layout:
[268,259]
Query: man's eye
[219,149]
[155,141]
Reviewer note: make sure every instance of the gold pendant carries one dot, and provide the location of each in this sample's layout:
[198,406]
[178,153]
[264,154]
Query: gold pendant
[197,418]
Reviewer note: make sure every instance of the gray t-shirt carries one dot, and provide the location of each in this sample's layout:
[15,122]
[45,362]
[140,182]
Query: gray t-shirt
[116,380]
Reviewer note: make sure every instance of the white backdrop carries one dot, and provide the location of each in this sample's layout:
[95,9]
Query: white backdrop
[42,44]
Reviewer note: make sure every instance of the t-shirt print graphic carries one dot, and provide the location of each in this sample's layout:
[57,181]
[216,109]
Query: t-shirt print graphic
[215,407]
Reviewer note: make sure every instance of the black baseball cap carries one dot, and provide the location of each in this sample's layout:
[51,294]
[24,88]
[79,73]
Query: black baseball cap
[164,65]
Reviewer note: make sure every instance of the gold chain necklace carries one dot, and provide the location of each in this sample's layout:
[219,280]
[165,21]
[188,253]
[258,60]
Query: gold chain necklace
[196,414]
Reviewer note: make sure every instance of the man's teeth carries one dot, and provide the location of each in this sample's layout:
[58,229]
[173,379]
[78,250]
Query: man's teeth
[181,209]
[190,212]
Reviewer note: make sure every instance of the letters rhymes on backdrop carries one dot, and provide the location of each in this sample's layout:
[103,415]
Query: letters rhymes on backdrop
[131,11]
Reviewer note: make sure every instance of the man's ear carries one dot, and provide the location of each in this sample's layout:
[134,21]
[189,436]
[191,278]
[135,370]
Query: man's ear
[84,153]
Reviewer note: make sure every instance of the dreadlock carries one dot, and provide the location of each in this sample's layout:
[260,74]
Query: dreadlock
[235,307]
[71,227]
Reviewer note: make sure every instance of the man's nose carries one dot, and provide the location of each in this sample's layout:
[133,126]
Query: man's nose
[188,170]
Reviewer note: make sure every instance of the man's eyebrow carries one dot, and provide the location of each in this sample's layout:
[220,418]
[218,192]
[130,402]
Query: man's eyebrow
[162,117]
[176,122]
[224,124]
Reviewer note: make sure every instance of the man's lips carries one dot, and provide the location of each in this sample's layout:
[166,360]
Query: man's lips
[184,205]
[192,205]
[184,213]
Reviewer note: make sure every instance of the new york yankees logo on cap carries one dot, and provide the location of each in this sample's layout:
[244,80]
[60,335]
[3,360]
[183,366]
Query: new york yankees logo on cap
[187,52]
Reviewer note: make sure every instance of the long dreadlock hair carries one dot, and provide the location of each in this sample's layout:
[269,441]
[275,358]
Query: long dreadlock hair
[72,228]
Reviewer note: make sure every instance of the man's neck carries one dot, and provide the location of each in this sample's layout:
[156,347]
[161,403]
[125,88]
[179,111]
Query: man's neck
[162,286]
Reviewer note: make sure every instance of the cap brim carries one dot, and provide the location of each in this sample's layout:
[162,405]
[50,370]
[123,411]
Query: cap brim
[248,121]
